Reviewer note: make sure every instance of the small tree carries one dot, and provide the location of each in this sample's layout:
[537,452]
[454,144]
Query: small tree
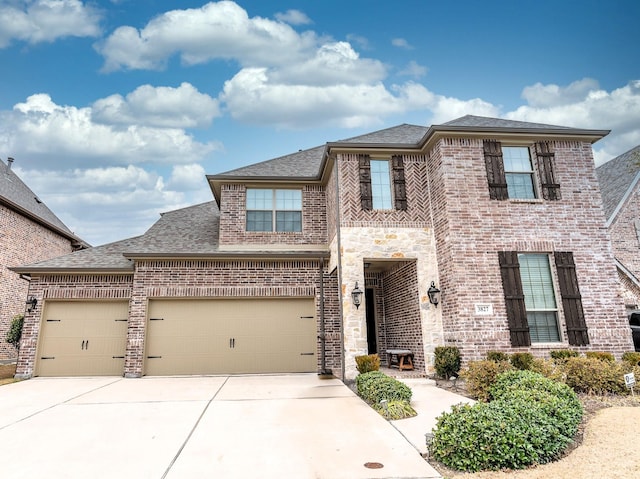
[15,331]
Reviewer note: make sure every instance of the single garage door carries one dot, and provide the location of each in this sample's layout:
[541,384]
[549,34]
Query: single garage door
[81,338]
[225,336]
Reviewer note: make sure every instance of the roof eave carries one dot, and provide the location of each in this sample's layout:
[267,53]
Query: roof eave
[34,270]
[35,218]
[216,181]
[232,255]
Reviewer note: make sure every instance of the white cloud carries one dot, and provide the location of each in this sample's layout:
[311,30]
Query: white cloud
[251,96]
[293,17]
[401,43]
[332,64]
[36,21]
[359,40]
[43,130]
[182,107]
[221,30]
[102,205]
[413,69]
[583,104]
[187,177]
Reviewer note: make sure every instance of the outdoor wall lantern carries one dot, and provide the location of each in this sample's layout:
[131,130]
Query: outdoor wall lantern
[356,296]
[434,294]
[31,303]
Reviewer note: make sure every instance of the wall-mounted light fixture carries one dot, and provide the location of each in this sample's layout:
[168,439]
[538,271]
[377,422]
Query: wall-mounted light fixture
[31,303]
[434,294]
[356,296]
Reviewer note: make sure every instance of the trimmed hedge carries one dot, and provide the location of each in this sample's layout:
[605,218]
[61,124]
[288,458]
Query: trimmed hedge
[532,421]
[479,376]
[376,386]
[447,361]
[595,376]
[367,363]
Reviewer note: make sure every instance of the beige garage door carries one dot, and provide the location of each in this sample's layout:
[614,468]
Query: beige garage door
[225,336]
[80,338]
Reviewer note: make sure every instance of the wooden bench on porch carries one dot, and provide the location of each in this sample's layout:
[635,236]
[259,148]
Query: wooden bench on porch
[400,358]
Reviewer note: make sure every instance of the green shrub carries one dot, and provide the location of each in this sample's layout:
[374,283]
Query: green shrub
[557,399]
[394,410]
[531,421]
[367,363]
[594,376]
[364,382]
[522,361]
[503,434]
[479,376]
[497,356]
[601,355]
[447,361]
[632,358]
[561,355]
[15,331]
[375,386]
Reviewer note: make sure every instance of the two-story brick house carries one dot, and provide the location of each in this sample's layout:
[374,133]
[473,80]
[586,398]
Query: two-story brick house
[504,218]
[620,185]
[29,231]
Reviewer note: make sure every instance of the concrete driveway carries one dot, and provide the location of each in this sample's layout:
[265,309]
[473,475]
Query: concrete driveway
[284,426]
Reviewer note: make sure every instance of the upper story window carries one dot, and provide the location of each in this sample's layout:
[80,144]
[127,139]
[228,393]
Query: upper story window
[518,172]
[511,172]
[274,210]
[382,184]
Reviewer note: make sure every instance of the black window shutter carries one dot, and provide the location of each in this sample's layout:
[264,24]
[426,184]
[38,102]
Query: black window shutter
[399,188]
[546,159]
[514,298]
[366,196]
[571,299]
[495,170]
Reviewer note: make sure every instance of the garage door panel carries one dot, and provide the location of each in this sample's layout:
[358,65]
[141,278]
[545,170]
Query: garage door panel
[231,336]
[83,338]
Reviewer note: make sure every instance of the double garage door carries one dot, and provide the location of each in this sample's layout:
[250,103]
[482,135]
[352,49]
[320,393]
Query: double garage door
[221,336]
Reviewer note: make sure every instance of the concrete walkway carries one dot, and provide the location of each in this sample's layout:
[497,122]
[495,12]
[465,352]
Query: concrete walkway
[224,427]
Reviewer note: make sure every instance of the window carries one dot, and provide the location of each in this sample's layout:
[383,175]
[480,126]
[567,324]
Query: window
[511,172]
[274,210]
[518,172]
[530,298]
[376,181]
[539,298]
[380,185]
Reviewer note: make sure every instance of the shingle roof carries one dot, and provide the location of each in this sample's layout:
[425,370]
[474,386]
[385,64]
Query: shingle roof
[486,122]
[616,177]
[16,193]
[302,164]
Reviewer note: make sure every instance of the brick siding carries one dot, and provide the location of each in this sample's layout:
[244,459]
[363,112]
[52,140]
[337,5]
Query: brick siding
[471,229]
[22,241]
[233,219]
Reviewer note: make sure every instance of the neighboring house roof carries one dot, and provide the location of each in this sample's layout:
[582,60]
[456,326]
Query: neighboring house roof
[618,178]
[15,194]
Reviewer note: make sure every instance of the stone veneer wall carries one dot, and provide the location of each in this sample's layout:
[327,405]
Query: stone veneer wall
[233,219]
[471,229]
[64,287]
[22,241]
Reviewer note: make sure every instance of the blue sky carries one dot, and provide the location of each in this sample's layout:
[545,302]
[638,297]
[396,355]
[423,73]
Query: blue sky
[115,110]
